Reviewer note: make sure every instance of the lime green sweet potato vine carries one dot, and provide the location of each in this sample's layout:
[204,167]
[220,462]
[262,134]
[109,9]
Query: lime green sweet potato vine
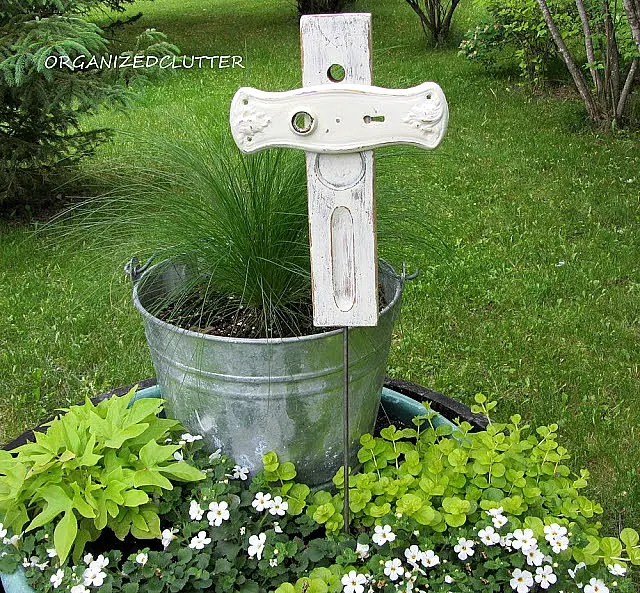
[95,467]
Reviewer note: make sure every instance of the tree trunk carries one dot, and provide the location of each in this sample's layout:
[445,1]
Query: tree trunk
[588,43]
[574,70]
[632,8]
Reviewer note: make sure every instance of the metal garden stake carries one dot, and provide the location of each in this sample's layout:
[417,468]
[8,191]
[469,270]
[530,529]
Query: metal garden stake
[338,118]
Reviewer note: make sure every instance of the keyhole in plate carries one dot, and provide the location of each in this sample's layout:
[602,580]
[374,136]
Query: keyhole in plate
[336,73]
[368,118]
[302,122]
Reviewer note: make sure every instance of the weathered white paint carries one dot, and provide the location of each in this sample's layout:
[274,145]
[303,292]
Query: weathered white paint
[346,118]
[344,269]
[337,123]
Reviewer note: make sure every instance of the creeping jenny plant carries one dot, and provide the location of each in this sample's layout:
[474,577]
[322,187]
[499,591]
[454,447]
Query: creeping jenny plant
[95,467]
[496,510]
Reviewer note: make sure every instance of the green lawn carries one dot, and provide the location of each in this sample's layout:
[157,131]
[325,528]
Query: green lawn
[531,293]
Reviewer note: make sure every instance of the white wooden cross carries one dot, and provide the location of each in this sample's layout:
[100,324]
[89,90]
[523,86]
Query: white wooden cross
[337,118]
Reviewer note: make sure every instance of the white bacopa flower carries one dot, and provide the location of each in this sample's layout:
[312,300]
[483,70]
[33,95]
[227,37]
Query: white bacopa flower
[279,506]
[3,531]
[506,541]
[545,577]
[198,542]
[495,512]
[100,562]
[554,531]
[523,540]
[353,582]
[534,556]
[51,552]
[448,579]
[560,544]
[256,545]
[464,549]
[240,472]
[243,530]
[362,551]
[217,454]
[522,580]
[88,558]
[218,512]
[383,535]
[79,589]
[142,558]
[393,569]
[617,570]
[12,541]
[195,511]
[430,559]
[262,501]
[56,579]
[178,456]
[93,576]
[191,438]
[488,536]
[499,521]
[579,566]
[168,535]
[413,555]
[596,586]
[276,527]
[273,562]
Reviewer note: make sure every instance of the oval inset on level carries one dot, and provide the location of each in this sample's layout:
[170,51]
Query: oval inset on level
[343,270]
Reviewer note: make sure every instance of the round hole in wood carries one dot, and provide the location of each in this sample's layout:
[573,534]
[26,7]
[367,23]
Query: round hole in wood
[336,73]
[302,122]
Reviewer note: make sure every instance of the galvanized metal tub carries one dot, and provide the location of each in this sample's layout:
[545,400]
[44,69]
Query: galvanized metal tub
[251,396]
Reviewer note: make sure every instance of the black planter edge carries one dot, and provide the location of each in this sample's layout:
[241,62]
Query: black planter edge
[449,408]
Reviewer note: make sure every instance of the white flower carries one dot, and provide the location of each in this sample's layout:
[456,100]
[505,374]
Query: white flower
[93,576]
[617,570]
[362,551]
[430,559]
[218,512]
[3,531]
[56,579]
[191,438]
[276,527]
[560,544]
[523,540]
[499,521]
[522,580]
[100,562]
[393,569]
[142,558]
[506,541]
[51,552]
[596,586]
[488,536]
[413,555]
[168,535]
[262,501]
[353,582]
[273,562]
[383,535]
[243,530]
[495,512]
[464,549]
[12,541]
[240,472]
[572,573]
[79,589]
[178,456]
[534,556]
[256,545]
[554,531]
[448,579]
[545,577]
[88,558]
[217,454]
[195,511]
[198,542]
[279,506]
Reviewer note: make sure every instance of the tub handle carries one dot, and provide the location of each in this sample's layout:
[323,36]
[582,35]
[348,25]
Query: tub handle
[404,276]
[134,270]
